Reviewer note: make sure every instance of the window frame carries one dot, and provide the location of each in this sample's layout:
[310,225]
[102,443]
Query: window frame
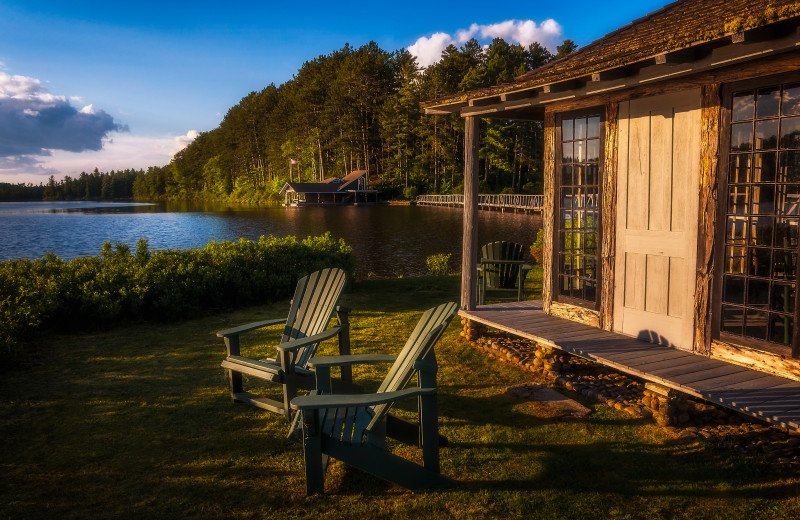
[725,126]
[557,208]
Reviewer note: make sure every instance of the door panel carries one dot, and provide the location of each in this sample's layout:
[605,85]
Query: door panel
[658,183]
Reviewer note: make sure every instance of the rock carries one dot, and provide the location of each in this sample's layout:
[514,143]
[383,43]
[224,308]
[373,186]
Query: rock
[662,420]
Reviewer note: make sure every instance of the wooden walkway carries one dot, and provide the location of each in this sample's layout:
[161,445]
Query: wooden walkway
[501,202]
[769,398]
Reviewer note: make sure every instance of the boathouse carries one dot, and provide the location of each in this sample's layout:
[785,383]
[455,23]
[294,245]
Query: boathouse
[672,197]
[352,189]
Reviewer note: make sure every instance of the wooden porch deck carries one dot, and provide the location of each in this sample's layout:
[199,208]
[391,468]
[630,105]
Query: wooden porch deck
[767,397]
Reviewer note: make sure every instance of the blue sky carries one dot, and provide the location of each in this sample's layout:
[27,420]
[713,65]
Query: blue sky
[138,80]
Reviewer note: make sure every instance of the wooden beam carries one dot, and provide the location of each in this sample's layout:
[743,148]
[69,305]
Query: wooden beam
[482,102]
[469,251]
[547,213]
[519,94]
[612,74]
[609,216]
[563,86]
[707,215]
[679,56]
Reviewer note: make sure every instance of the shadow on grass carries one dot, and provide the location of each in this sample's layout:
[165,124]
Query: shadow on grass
[644,470]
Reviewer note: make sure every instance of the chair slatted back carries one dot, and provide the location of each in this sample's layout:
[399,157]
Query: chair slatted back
[502,276]
[429,329]
[314,301]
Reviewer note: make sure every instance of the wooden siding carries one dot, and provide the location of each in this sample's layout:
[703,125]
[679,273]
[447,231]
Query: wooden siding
[766,397]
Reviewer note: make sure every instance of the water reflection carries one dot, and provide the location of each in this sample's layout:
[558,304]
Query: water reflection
[387,240]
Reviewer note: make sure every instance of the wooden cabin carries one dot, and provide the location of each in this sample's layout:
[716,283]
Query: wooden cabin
[352,189]
[672,179]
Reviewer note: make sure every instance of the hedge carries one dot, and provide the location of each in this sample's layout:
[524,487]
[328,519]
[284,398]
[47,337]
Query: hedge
[50,294]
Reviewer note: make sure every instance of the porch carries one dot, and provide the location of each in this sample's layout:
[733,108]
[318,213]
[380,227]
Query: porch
[766,397]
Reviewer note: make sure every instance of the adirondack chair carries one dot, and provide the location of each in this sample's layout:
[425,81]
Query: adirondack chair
[353,428]
[314,301]
[502,268]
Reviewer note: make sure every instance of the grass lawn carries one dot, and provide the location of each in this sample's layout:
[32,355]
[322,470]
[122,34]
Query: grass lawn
[137,422]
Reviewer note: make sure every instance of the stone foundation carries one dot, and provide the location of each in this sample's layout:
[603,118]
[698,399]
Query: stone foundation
[680,414]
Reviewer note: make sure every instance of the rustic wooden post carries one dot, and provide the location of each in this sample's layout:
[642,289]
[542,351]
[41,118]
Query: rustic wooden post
[707,215]
[609,217]
[547,212]
[469,251]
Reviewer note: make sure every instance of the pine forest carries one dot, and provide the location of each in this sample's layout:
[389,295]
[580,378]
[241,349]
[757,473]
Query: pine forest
[353,109]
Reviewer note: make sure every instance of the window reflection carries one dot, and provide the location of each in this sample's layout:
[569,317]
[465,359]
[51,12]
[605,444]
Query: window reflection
[762,215]
[744,105]
[581,154]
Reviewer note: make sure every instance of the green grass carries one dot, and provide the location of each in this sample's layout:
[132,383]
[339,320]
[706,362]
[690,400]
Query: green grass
[136,422]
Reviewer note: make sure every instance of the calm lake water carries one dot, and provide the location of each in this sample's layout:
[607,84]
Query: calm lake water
[386,240]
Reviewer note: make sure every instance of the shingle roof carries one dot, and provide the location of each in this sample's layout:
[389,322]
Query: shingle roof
[679,25]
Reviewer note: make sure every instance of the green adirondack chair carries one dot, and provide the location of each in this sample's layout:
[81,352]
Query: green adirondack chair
[314,301]
[353,428]
[502,268]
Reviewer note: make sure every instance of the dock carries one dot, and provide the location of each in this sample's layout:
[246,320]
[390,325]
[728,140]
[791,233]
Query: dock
[488,201]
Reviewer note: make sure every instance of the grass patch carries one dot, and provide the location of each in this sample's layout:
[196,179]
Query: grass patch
[136,422]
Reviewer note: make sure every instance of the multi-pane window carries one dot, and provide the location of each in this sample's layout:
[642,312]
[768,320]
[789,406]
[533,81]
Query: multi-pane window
[579,203]
[763,209]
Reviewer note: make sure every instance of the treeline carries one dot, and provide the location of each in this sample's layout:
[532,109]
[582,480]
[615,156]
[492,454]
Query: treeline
[97,185]
[359,109]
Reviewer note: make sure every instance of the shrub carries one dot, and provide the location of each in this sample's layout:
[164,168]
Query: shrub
[50,294]
[537,247]
[438,265]
[410,193]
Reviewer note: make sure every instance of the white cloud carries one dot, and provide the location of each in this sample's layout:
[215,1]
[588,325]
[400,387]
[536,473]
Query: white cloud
[119,152]
[428,50]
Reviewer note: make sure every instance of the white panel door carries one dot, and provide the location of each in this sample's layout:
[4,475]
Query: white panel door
[657,201]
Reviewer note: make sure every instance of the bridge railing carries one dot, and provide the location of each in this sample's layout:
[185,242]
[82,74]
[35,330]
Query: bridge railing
[500,200]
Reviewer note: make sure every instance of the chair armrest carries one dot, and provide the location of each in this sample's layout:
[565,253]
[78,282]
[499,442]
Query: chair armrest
[235,331]
[316,338]
[346,361]
[311,402]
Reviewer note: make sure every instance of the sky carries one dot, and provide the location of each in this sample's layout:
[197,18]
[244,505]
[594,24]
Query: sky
[115,85]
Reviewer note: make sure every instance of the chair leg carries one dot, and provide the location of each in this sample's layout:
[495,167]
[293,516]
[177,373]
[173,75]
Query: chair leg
[312,452]
[234,378]
[429,432]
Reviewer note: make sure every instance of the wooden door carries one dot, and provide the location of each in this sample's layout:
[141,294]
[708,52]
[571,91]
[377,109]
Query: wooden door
[658,183]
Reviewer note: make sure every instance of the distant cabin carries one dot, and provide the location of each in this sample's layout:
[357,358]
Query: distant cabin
[671,179]
[352,189]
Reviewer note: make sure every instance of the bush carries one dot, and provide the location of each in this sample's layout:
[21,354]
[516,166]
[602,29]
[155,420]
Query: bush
[50,294]
[410,193]
[538,245]
[438,265]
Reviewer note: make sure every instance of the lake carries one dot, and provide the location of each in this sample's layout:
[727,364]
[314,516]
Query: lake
[386,240]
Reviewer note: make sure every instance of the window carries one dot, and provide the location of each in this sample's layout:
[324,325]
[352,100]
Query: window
[762,190]
[578,172]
